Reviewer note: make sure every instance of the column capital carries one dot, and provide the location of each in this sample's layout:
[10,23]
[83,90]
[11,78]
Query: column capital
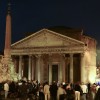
[20,55]
[50,54]
[38,55]
[63,55]
[30,55]
[82,54]
[71,55]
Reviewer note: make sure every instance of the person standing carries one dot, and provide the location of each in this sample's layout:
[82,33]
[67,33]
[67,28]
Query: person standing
[41,92]
[46,91]
[93,90]
[23,90]
[97,96]
[61,93]
[6,89]
[53,91]
[85,90]
[70,94]
[78,91]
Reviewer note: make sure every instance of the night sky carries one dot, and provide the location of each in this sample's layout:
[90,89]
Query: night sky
[33,15]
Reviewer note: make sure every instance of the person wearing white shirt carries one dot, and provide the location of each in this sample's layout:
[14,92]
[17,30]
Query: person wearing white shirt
[97,87]
[85,90]
[6,89]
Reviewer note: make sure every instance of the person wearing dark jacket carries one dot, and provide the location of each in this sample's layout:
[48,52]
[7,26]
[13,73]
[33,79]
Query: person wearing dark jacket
[78,91]
[70,94]
[23,89]
[97,97]
[53,91]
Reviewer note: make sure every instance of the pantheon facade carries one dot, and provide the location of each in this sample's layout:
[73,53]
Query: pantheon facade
[56,54]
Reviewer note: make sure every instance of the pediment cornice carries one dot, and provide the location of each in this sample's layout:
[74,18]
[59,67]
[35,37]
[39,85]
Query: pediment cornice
[45,38]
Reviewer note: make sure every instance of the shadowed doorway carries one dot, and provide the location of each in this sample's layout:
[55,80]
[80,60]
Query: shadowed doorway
[55,73]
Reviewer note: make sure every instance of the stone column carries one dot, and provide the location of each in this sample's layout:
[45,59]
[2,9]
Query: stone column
[33,67]
[29,68]
[63,67]
[71,67]
[60,71]
[20,66]
[38,64]
[50,69]
[41,70]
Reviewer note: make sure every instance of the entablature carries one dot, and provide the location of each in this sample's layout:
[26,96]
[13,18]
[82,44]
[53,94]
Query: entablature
[46,50]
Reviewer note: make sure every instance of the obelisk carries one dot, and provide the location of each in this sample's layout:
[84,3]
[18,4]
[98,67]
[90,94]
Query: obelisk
[7,48]
[7,70]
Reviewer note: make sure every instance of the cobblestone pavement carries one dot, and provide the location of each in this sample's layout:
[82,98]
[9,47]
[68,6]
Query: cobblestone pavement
[33,99]
[89,97]
[2,98]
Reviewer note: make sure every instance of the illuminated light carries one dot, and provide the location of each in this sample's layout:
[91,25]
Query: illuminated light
[92,75]
[98,80]
[91,79]
[63,83]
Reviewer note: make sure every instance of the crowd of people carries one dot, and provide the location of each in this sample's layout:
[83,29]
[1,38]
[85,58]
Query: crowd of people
[33,90]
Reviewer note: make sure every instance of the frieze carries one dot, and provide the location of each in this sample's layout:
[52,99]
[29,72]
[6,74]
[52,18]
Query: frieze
[47,50]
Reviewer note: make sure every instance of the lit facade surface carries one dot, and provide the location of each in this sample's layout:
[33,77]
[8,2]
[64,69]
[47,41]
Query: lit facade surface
[50,55]
[98,66]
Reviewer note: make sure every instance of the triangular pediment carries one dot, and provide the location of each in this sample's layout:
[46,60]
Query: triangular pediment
[44,38]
